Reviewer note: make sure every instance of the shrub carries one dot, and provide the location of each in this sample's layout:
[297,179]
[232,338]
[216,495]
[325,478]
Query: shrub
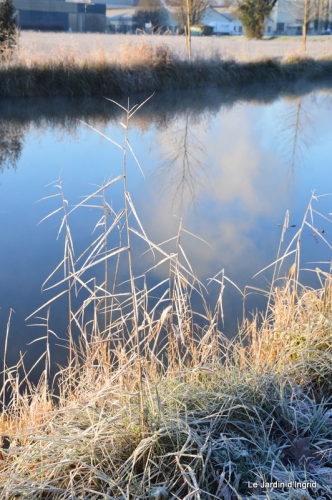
[253,14]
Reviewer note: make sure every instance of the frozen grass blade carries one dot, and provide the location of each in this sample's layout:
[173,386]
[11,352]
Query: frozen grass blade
[46,304]
[4,359]
[103,135]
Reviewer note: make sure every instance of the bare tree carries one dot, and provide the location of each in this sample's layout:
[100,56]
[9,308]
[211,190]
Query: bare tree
[306,11]
[190,14]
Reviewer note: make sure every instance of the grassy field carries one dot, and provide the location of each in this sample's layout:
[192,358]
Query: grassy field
[155,402]
[37,47]
[85,64]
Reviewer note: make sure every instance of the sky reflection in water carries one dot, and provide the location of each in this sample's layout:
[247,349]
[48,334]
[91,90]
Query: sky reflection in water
[229,168]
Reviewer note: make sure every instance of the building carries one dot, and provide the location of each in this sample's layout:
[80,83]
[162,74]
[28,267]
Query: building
[223,22]
[287,17]
[121,20]
[58,15]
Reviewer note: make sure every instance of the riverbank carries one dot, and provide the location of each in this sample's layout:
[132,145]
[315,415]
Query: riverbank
[157,74]
[150,65]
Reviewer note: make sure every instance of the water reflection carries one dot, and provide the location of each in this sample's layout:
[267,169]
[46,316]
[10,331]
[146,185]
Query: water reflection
[181,170]
[294,134]
[296,130]
[178,118]
[11,145]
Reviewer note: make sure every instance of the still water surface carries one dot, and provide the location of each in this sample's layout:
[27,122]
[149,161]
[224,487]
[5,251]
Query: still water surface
[229,165]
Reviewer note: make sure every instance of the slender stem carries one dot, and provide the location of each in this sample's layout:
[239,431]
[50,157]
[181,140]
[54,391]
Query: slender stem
[47,358]
[67,265]
[131,274]
[188,37]
[106,266]
[4,361]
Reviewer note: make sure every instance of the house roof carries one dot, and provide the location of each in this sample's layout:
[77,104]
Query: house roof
[215,14]
[222,11]
[120,13]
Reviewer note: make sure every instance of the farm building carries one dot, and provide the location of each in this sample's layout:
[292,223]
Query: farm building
[223,22]
[48,15]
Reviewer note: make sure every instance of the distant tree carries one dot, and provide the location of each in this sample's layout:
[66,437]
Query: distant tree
[8,27]
[192,12]
[150,11]
[253,14]
[305,12]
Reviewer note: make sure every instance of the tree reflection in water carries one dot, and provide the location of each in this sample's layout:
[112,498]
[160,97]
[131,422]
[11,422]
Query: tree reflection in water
[11,144]
[181,169]
[296,131]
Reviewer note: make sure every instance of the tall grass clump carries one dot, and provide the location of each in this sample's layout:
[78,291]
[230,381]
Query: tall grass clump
[155,402]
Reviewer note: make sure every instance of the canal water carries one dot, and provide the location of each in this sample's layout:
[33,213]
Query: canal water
[227,164]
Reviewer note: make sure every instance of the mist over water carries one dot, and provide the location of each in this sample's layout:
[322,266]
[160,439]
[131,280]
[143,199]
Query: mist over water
[228,165]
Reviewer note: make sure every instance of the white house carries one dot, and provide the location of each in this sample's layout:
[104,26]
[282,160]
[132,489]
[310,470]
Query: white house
[222,21]
[226,23]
